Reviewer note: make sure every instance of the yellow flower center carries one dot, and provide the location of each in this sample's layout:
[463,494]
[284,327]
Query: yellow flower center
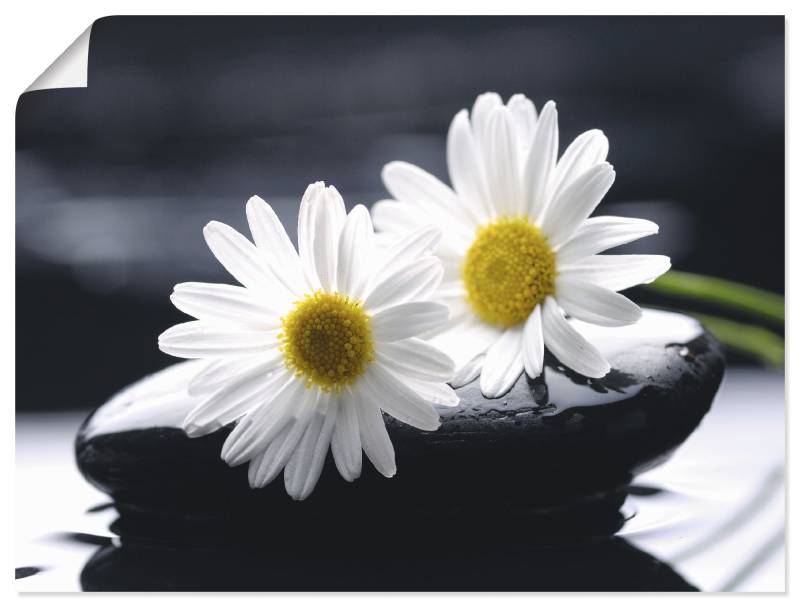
[327,339]
[509,269]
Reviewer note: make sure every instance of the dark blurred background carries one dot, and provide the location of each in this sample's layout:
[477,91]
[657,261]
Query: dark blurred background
[185,118]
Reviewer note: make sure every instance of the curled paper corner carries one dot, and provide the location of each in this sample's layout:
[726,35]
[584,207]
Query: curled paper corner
[70,70]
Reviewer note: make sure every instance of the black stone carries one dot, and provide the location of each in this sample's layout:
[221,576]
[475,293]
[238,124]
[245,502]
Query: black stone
[551,458]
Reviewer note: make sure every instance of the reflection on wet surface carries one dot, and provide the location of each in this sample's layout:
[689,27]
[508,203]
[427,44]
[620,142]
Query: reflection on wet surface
[570,566]
[711,518]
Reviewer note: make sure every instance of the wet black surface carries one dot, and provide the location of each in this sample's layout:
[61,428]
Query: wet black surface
[473,550]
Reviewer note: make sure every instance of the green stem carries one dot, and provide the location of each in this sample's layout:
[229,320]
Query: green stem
[724,292]
[746,338]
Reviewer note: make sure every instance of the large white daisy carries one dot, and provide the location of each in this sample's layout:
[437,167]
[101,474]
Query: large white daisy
[309,350]
[519,250]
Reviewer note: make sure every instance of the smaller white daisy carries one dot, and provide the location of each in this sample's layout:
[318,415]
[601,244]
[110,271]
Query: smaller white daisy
[519,250]
[314,345]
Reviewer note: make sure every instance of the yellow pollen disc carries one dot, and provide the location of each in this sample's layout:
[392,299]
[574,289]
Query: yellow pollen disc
[509,269]
[327,339]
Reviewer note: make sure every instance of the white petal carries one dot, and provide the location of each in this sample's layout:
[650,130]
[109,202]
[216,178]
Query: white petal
[262,469]
[617,272]
[345,441]
[465,338]
[533,344]
[304,467]
[238,256]
[595,304]
[600,233]
[395,217]
[416,358]
[354,252]
[576,202]
[328,216]
[242,438]
[404,284]
[381,387]
[468,372]
[197,339]
[234,399]
[409,183]
[408,320]
[502,164]
[320,221]
[226,303]
[424,193]
[454,295]
[466,168]
[479,116]
[306,226]
[523,111]
[260,426]
[424,289]
[586,150]
[269,463]
[503,364]
[454,244]
[452,272]
[220,371]
[419,242]
[273,241]
[374,438]
[569,346]
[541,162]
[435,393]
[400,262]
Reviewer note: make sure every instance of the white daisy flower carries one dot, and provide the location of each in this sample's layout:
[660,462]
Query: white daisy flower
[519,249]
[313,346]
